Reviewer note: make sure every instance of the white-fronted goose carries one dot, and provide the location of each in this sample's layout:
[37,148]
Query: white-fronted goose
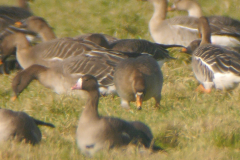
[38,25]
[62,75]
[17,13]
[158,51]
[138,79]
[178,30]
[20,126]
[224,30]
[95,132]
[213,65]
[46,53]
[183,30]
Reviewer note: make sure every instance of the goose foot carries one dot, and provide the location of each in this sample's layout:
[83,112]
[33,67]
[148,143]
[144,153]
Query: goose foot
[200,88]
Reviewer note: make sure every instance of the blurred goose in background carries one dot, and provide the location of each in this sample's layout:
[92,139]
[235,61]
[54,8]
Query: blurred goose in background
[179,30]
[95,132]
[138,79]
[225,30]
[213,65]
[64,74]
[20,126]
[183,30]
[17,13]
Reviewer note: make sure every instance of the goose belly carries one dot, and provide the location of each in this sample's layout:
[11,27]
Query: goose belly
[107,90]
[6,131]
[225,41]
[89,138]
[226,81]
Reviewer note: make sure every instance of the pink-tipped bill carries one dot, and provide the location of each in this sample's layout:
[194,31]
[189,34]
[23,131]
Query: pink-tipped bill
[78,85]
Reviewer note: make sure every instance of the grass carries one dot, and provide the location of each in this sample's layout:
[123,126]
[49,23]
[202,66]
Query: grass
[189,125]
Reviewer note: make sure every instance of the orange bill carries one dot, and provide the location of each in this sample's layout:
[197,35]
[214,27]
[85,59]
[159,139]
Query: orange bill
[184,50]
[139,99]
[18,24]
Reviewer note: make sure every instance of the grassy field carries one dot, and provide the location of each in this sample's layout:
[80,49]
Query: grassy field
[189,125]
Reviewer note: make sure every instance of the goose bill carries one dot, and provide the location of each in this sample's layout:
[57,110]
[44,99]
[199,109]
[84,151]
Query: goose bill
[78,85]
[139,99]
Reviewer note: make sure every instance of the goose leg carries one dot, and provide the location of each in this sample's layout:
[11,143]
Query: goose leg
[200,88]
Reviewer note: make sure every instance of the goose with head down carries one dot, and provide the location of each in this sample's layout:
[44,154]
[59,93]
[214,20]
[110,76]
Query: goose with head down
[214,65]
[224,30]
[138,79]
[61,75]
[95,132]
[20,126]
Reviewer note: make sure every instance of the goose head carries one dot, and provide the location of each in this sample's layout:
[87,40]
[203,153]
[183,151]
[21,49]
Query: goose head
[98,39]
[87,83]
[192,7]
[191,47]
[38,25]
[205,30]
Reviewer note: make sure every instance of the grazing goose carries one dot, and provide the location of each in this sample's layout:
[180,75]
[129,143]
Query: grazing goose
[95,132]
[158,51]
[62,75]
[17,13]
[138,79]
[225,30]
[213,65]
[20,126]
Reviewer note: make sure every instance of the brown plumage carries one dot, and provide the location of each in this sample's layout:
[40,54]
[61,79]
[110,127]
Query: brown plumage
[20,126]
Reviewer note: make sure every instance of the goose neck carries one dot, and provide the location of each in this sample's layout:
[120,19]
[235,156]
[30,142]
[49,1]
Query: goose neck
[47,34]
[23,4]
[90,111]
[160,12]
[160,9]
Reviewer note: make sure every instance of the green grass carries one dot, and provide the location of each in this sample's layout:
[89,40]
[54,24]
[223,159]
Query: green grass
[189,125]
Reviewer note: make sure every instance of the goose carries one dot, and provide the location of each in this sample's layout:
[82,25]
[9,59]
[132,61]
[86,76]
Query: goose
[195,44]
[214,65]
[20,126]
[179,30]
[38,25]
[99,38]
[158,51]
[95,132]
[225,30]
[17,13]
[45,53]
[138,79]
[62,75]
[183,30]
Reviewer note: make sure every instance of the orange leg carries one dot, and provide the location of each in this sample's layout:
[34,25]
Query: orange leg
[200,88]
